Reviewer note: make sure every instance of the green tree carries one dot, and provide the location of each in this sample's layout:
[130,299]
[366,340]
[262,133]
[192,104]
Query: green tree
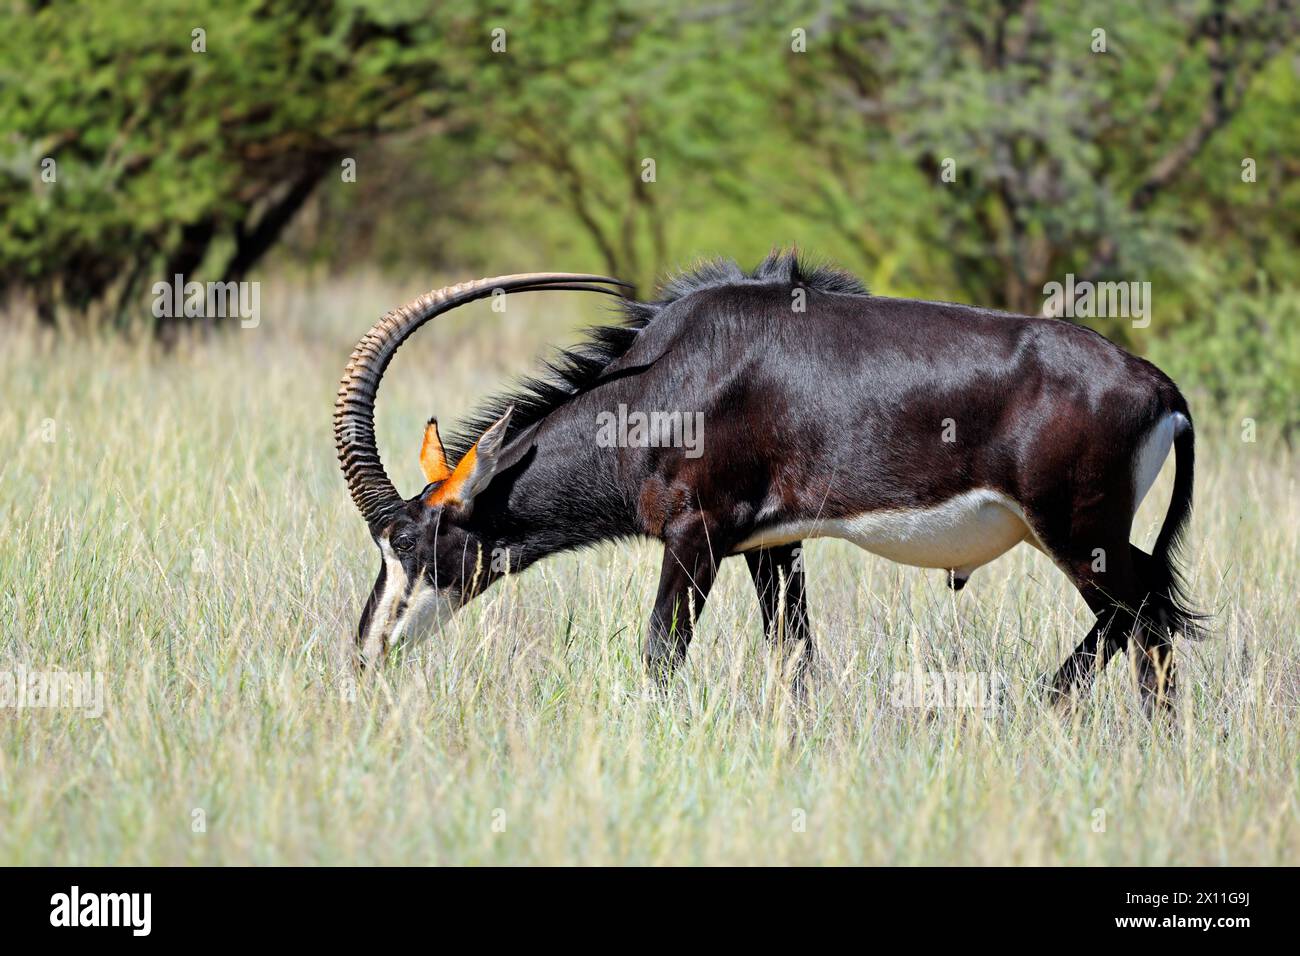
[618,112]
[1029,139]
[184,142]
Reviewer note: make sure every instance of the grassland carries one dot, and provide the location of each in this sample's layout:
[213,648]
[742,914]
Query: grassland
[177,524]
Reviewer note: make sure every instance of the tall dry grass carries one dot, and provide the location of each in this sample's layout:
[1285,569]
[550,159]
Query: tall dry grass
[186,534]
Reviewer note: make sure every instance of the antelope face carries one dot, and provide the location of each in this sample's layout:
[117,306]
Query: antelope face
[427,571]
[423,542]
[431,563]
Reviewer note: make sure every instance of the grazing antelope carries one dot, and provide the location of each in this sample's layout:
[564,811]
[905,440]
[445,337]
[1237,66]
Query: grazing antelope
[933,434]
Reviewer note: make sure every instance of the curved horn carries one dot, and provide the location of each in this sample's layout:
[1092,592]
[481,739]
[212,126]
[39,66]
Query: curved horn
[354,410]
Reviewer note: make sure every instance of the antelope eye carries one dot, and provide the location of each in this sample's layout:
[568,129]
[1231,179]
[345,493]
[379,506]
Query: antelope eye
[404,544]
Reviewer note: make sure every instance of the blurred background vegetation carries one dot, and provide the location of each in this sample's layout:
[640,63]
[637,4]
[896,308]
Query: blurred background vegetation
[963,151]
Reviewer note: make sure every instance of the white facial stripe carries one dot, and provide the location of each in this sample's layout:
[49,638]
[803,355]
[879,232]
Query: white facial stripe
[405,610]
[395,587]
[426,608]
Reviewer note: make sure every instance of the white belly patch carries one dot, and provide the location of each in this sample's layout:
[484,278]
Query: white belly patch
[961,534]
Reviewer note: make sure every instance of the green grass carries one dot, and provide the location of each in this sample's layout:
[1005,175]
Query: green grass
[187,535]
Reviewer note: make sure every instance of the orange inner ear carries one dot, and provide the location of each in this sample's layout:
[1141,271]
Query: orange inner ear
[432,458]
[450,489]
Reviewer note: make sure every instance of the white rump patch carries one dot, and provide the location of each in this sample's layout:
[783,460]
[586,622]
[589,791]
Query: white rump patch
[1153,452]
[960,534]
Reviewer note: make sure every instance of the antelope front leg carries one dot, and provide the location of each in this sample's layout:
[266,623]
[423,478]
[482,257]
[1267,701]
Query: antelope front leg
[687,575]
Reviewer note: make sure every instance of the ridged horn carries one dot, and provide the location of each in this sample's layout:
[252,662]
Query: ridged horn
[354,410]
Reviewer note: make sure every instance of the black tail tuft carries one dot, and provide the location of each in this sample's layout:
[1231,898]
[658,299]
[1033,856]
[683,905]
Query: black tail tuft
[1169,590]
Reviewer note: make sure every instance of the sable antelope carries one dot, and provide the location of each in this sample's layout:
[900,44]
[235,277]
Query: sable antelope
[933,434]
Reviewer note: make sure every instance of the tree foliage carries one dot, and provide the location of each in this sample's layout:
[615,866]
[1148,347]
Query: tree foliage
[1077,138]
[972,151]
[183,140]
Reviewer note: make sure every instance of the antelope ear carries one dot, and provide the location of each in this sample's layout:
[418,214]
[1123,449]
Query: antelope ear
[432,458]
[475,470]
